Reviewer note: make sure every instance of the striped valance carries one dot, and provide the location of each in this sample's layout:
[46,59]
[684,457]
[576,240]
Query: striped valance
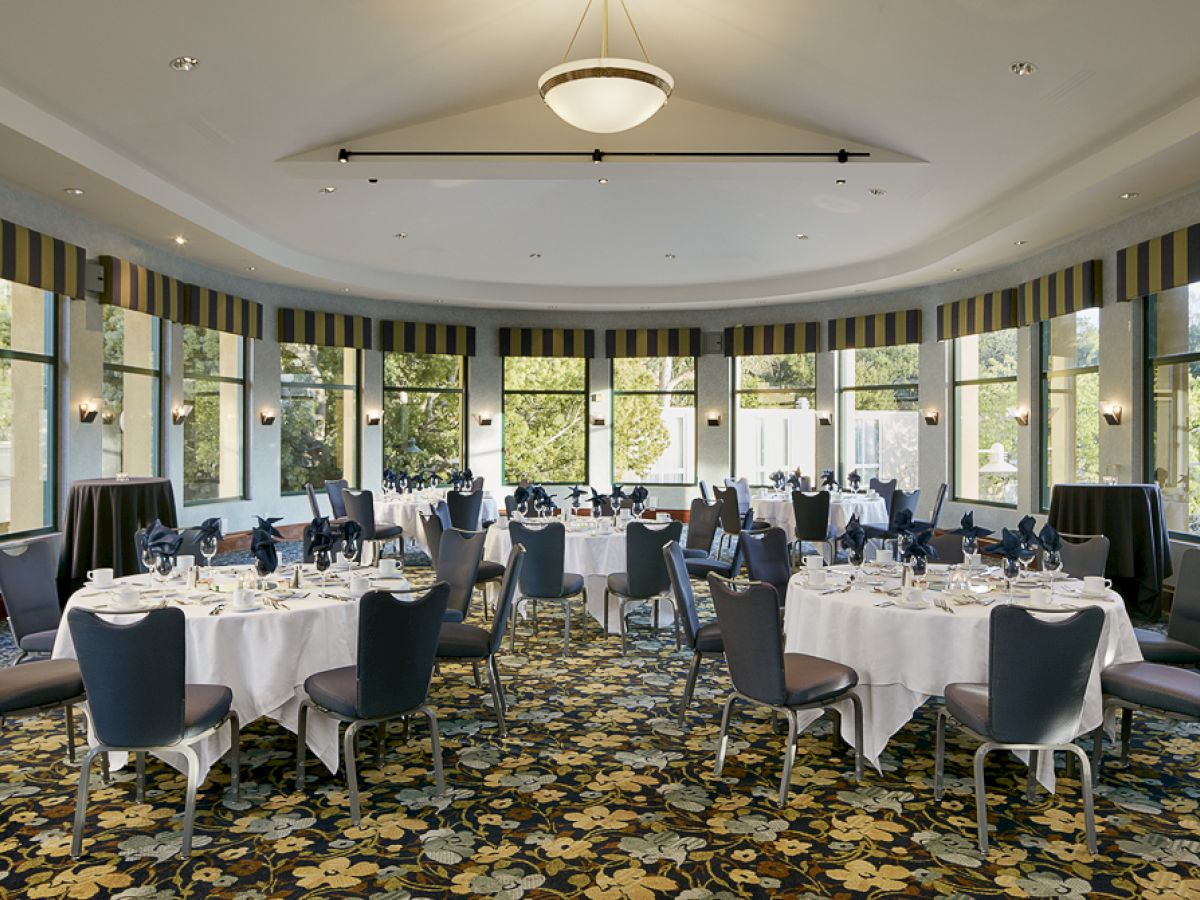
[641,342]
[1159,264]
[135,287]
[547,342]
[306,326]
[223,312]
[770,340]
[1060,293]
[877,330]
[413,337]
[980,314]
[30,257]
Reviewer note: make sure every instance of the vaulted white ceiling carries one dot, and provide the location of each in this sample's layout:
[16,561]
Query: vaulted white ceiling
[972,158]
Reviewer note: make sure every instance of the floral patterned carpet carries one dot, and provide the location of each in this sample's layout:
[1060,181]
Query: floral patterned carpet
[597,794]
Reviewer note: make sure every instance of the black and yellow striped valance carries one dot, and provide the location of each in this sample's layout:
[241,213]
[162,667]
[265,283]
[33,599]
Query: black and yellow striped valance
[135,287]
[1060,293]
[877,330]
[306,326]
[642,342]
[1159,264]
[223,312]
[772,340]
[547,342]
[413,337]
[980,314]
[30,257]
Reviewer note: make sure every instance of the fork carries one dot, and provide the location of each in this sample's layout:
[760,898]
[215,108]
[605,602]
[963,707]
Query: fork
[217,610]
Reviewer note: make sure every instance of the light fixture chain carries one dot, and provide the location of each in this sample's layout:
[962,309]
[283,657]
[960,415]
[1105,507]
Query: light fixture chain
[586,7]
[641,46]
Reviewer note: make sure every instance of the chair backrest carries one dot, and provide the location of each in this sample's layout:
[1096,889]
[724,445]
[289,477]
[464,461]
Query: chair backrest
[739,551]
[606,507]
[360,507]
[397,645]
[513,570]
[477,484]
[433,527]
[133,674]
[948,548]
[464,508]
[812,515]
[643,556]
[189,545]
[753,638]
[459,555]
[767,558]
[901,501]
[1087,557]
[1038,673]
[27,581]
[938,503]
[510,505]
[731,518]
[312,499]
[703,519]
[1184,624]
[334,490]
[805,483]
[741,488]
[885,489]
[547,546]
[704,494]
[681,587]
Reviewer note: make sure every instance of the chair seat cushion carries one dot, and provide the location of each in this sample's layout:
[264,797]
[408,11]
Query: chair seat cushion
[1157,647]
[759,525]
[489,571]
[39,641]
[40,683]
[708,639]
[694,553]
[1167,688]
[458,640]
[971,705]
[618,583]
[452,615]
[388,532]
[335,689]
[811,678]
[698,568]
[572,584]
[204,705]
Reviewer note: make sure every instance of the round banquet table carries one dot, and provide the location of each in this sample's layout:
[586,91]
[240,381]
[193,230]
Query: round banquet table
[778,510]
[263,656]
[906,656]
[406,510]
[101,518]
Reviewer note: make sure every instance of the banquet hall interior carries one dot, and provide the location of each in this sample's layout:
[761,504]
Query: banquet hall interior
[604,448]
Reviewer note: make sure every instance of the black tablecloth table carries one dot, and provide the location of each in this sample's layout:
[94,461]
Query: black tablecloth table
[102,516]
[1131,517]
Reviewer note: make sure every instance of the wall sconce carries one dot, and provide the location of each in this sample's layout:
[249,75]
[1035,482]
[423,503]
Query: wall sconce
[108,417]
[180,414]
[931,416]
[1111,412]
[599,420]
[713,418]
[1020,415]
[267,416]
[484,418]
[374,416]
[824,417]
[88,410]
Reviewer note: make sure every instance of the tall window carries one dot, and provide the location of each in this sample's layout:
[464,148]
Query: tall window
[214,383]
[319,415]
[775,423]
[132,382]
[878,391]
[654,420]
[1070,351]
[423,409]
[28,327]
[1173,383]
[545,419]
[985,435]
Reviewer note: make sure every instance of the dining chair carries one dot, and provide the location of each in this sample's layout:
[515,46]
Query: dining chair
[935,514]
[313,506]
[334,490]
[360,507]
[459,555]
[28,583]
[146,659]
[486,573]
[463,641]
[769,558]
[1145,687]
[397,646]
[948,548]
[433,526]
[764,675]
[811,512]
[704,494]
[1180,646]
[543,578]
[703,519]
[729,568]
[1083,554]
[510,505]
[731,519]
[741,488]
[477,485]
[1038,671]
[885,490]
[464,508]
[645,576]
[703,640]
[39,686]
[902,501]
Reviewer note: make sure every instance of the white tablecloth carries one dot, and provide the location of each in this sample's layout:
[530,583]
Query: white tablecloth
[405,510]
[262,656]
[778,510]
[904,657]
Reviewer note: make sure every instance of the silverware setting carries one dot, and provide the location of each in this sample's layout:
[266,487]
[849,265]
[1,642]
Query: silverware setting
[217,610]
[883,603]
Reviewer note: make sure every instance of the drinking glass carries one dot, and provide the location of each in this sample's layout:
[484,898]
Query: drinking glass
[1011,569]
[208,549]
[970,548]
[163,565]
[1052,563]
[322,560]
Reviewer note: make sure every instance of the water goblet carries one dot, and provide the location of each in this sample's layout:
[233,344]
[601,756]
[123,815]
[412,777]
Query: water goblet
[163,565]
[1011,569]
[322,560]
[1052,563]
[208,549]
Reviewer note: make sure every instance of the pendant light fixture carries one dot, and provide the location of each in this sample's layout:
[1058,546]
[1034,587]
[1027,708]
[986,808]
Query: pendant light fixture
[605,94]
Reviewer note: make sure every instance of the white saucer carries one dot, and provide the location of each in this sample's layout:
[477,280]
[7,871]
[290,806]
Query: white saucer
[901,603]
[250,609]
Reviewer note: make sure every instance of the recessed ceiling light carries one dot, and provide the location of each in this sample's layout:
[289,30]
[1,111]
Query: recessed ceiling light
[401,235]
[535,255]
[602,181]
[372,181]
[876,192]
[957,269]
[1020,243]
[250,268]
[839,182]
[801,236]
[74,192]
[1022,68]
[669,255]
[328,189]
[184,63]
[1128,195]
[180,240]
[345,290]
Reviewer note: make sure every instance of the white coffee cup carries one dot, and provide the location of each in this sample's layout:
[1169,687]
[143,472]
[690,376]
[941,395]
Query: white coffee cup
[184,563]
[1096,584]
[358,586]
[813,562]
[127,597]
[387,567]
[243,599]
[816,577]
[100,577]
[914,596]
[1040,597]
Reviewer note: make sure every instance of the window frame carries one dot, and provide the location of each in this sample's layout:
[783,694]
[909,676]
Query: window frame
[106,366]
[840,391]
[955,384]
[612,418]
[734,406]
[462,391]
[355,389]
[244,381]
[584,392]
[1043,438]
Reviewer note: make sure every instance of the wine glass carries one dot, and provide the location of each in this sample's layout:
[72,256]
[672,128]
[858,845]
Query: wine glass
[322,560]
[1027,555]
[920,566]
[1052,563]
[163,565]
[856,556]
[1011,568]
[208,549]
[349,551]
[262,569]
[970,549]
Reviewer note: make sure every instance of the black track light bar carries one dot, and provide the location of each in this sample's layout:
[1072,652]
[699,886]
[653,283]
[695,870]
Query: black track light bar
[598,156]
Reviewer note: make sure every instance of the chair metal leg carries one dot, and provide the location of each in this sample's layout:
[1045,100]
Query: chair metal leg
[1126,728]
[723,740]
[141,776]
[566,626]
[301,747]
[235,755]
[69,716]
[939,754]
[623,625]
[1097,750]
[435,744]
[475,671]
[856,705]
[497,696]
[1089,813]
[189,808]
[348,748]
[789,757]
[689,687]
[381,740]
[981,796]
[81,801]
[512,626]
[1031,776]
[606,611]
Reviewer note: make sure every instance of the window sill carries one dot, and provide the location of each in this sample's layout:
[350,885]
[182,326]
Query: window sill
[992,504]
[189,503]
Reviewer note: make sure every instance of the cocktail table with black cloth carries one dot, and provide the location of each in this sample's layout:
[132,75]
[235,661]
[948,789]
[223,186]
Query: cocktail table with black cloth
[1131,517]
[101,518]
